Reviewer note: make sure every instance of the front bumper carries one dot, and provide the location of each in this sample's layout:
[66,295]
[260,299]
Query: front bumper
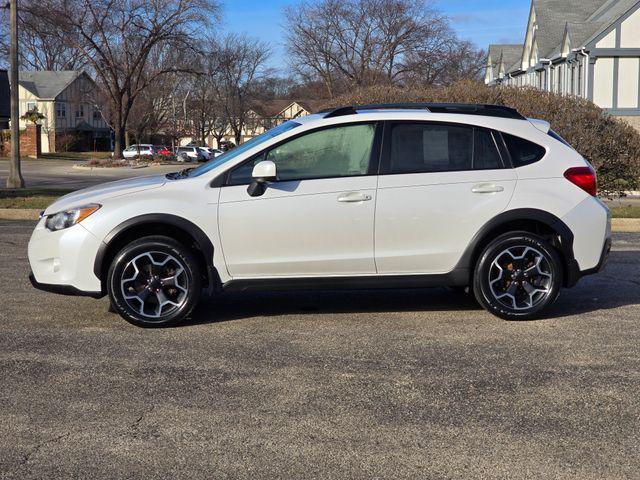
[62,289]
[62,261]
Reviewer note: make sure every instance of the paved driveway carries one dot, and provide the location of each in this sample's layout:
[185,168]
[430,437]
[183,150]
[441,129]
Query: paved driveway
[61,174]
[392,384]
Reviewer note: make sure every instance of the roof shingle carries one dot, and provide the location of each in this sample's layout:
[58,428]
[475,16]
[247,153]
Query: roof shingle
[47,84]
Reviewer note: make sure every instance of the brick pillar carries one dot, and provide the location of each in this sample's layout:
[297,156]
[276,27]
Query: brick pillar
[5,143]
[30,141]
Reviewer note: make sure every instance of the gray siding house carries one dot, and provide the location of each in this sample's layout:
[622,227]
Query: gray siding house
[586,48]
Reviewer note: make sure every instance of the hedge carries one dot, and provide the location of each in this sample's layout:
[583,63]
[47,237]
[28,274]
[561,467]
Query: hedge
[611,145]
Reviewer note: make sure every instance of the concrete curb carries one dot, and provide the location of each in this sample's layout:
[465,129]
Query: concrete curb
[625,225]
[618,225]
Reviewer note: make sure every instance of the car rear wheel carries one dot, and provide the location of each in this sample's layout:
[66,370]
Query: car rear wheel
[518,276]
[154,282]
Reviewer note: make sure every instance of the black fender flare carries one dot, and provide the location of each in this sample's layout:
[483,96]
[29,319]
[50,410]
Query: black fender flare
[572,270]
[202,241]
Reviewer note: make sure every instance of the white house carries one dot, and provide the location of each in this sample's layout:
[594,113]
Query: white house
[587,48]
[73,108]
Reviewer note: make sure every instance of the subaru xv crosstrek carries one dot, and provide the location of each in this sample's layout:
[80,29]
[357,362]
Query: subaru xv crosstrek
[374,196]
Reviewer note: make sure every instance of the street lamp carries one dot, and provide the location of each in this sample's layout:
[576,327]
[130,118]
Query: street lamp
[14,180]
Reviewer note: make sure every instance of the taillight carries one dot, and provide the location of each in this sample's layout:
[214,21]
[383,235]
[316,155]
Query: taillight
[583,177]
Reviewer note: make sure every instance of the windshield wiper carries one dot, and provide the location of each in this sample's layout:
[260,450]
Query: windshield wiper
[181,174]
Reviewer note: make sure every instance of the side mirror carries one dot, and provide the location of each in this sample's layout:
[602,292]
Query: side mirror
[263,172]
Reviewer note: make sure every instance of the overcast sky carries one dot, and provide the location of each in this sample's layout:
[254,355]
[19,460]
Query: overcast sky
[481,21]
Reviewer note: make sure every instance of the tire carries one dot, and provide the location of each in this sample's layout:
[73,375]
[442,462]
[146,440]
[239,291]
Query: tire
[154,282]
[518,276]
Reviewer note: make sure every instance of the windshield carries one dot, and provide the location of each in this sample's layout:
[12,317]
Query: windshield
[239,150]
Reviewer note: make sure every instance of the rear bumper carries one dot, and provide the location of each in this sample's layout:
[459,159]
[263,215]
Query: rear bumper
[574,273]
[604,257]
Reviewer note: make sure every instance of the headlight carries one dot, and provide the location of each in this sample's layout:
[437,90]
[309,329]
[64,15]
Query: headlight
[68,218]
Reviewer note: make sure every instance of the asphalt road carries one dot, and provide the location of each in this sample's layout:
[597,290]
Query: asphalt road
[61,174]
[392,384]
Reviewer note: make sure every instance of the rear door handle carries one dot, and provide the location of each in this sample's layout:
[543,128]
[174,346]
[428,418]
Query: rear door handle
[353,197]
[487,188]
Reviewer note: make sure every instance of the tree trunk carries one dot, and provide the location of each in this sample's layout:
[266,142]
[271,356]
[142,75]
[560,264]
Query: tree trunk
[118,146]
[14,179]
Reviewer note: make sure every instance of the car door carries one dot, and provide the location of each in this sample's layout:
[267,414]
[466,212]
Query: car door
[129,152]
[316,219]
[441,184]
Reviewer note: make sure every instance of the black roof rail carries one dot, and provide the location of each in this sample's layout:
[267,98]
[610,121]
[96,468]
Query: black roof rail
[460,108]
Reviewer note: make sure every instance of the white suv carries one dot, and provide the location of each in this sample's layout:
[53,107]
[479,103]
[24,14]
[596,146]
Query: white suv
[142,150]
[378,196]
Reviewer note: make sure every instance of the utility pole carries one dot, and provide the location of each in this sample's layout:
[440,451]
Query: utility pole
[14,180]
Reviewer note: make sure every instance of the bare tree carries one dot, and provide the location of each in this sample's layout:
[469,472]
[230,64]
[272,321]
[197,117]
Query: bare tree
[4,37]
[119,38]
[43,48]
[241,64]
[348,43]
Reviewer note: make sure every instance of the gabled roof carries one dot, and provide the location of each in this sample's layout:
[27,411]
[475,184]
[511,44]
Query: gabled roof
[5,96]
[603,18]
[504,54]
[273,108]
[579,21]
[48,84]
[552,17]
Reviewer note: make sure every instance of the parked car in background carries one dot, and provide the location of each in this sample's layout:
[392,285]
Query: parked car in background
[133,151]
[162,150]
[378,196]
[193,154]
[211,152]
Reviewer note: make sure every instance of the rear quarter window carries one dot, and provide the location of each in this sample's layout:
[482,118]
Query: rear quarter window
[522,152]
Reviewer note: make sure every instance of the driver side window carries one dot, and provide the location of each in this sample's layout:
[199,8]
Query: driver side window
[328,153]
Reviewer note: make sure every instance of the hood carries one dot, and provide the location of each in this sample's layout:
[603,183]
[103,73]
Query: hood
[101,192]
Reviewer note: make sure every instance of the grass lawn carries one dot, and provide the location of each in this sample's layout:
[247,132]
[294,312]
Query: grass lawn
[625,211]
[38,198]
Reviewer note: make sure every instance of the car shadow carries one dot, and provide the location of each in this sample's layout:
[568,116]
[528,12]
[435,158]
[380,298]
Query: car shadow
[618,285]
[241,305]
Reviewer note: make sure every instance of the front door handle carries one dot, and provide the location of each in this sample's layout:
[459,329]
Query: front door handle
[353,197]
[487,188]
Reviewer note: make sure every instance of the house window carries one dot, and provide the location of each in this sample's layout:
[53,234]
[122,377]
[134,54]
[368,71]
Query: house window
[80,111]
[61,110]
[572,87]
[31,106]
[559,80]
[579,85]
[96,114]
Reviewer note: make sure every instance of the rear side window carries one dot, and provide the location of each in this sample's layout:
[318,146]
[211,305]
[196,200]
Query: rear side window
[425,148]
[523,152]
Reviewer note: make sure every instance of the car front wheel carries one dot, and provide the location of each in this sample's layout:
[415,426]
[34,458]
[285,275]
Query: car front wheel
[154,282]
[518,276]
